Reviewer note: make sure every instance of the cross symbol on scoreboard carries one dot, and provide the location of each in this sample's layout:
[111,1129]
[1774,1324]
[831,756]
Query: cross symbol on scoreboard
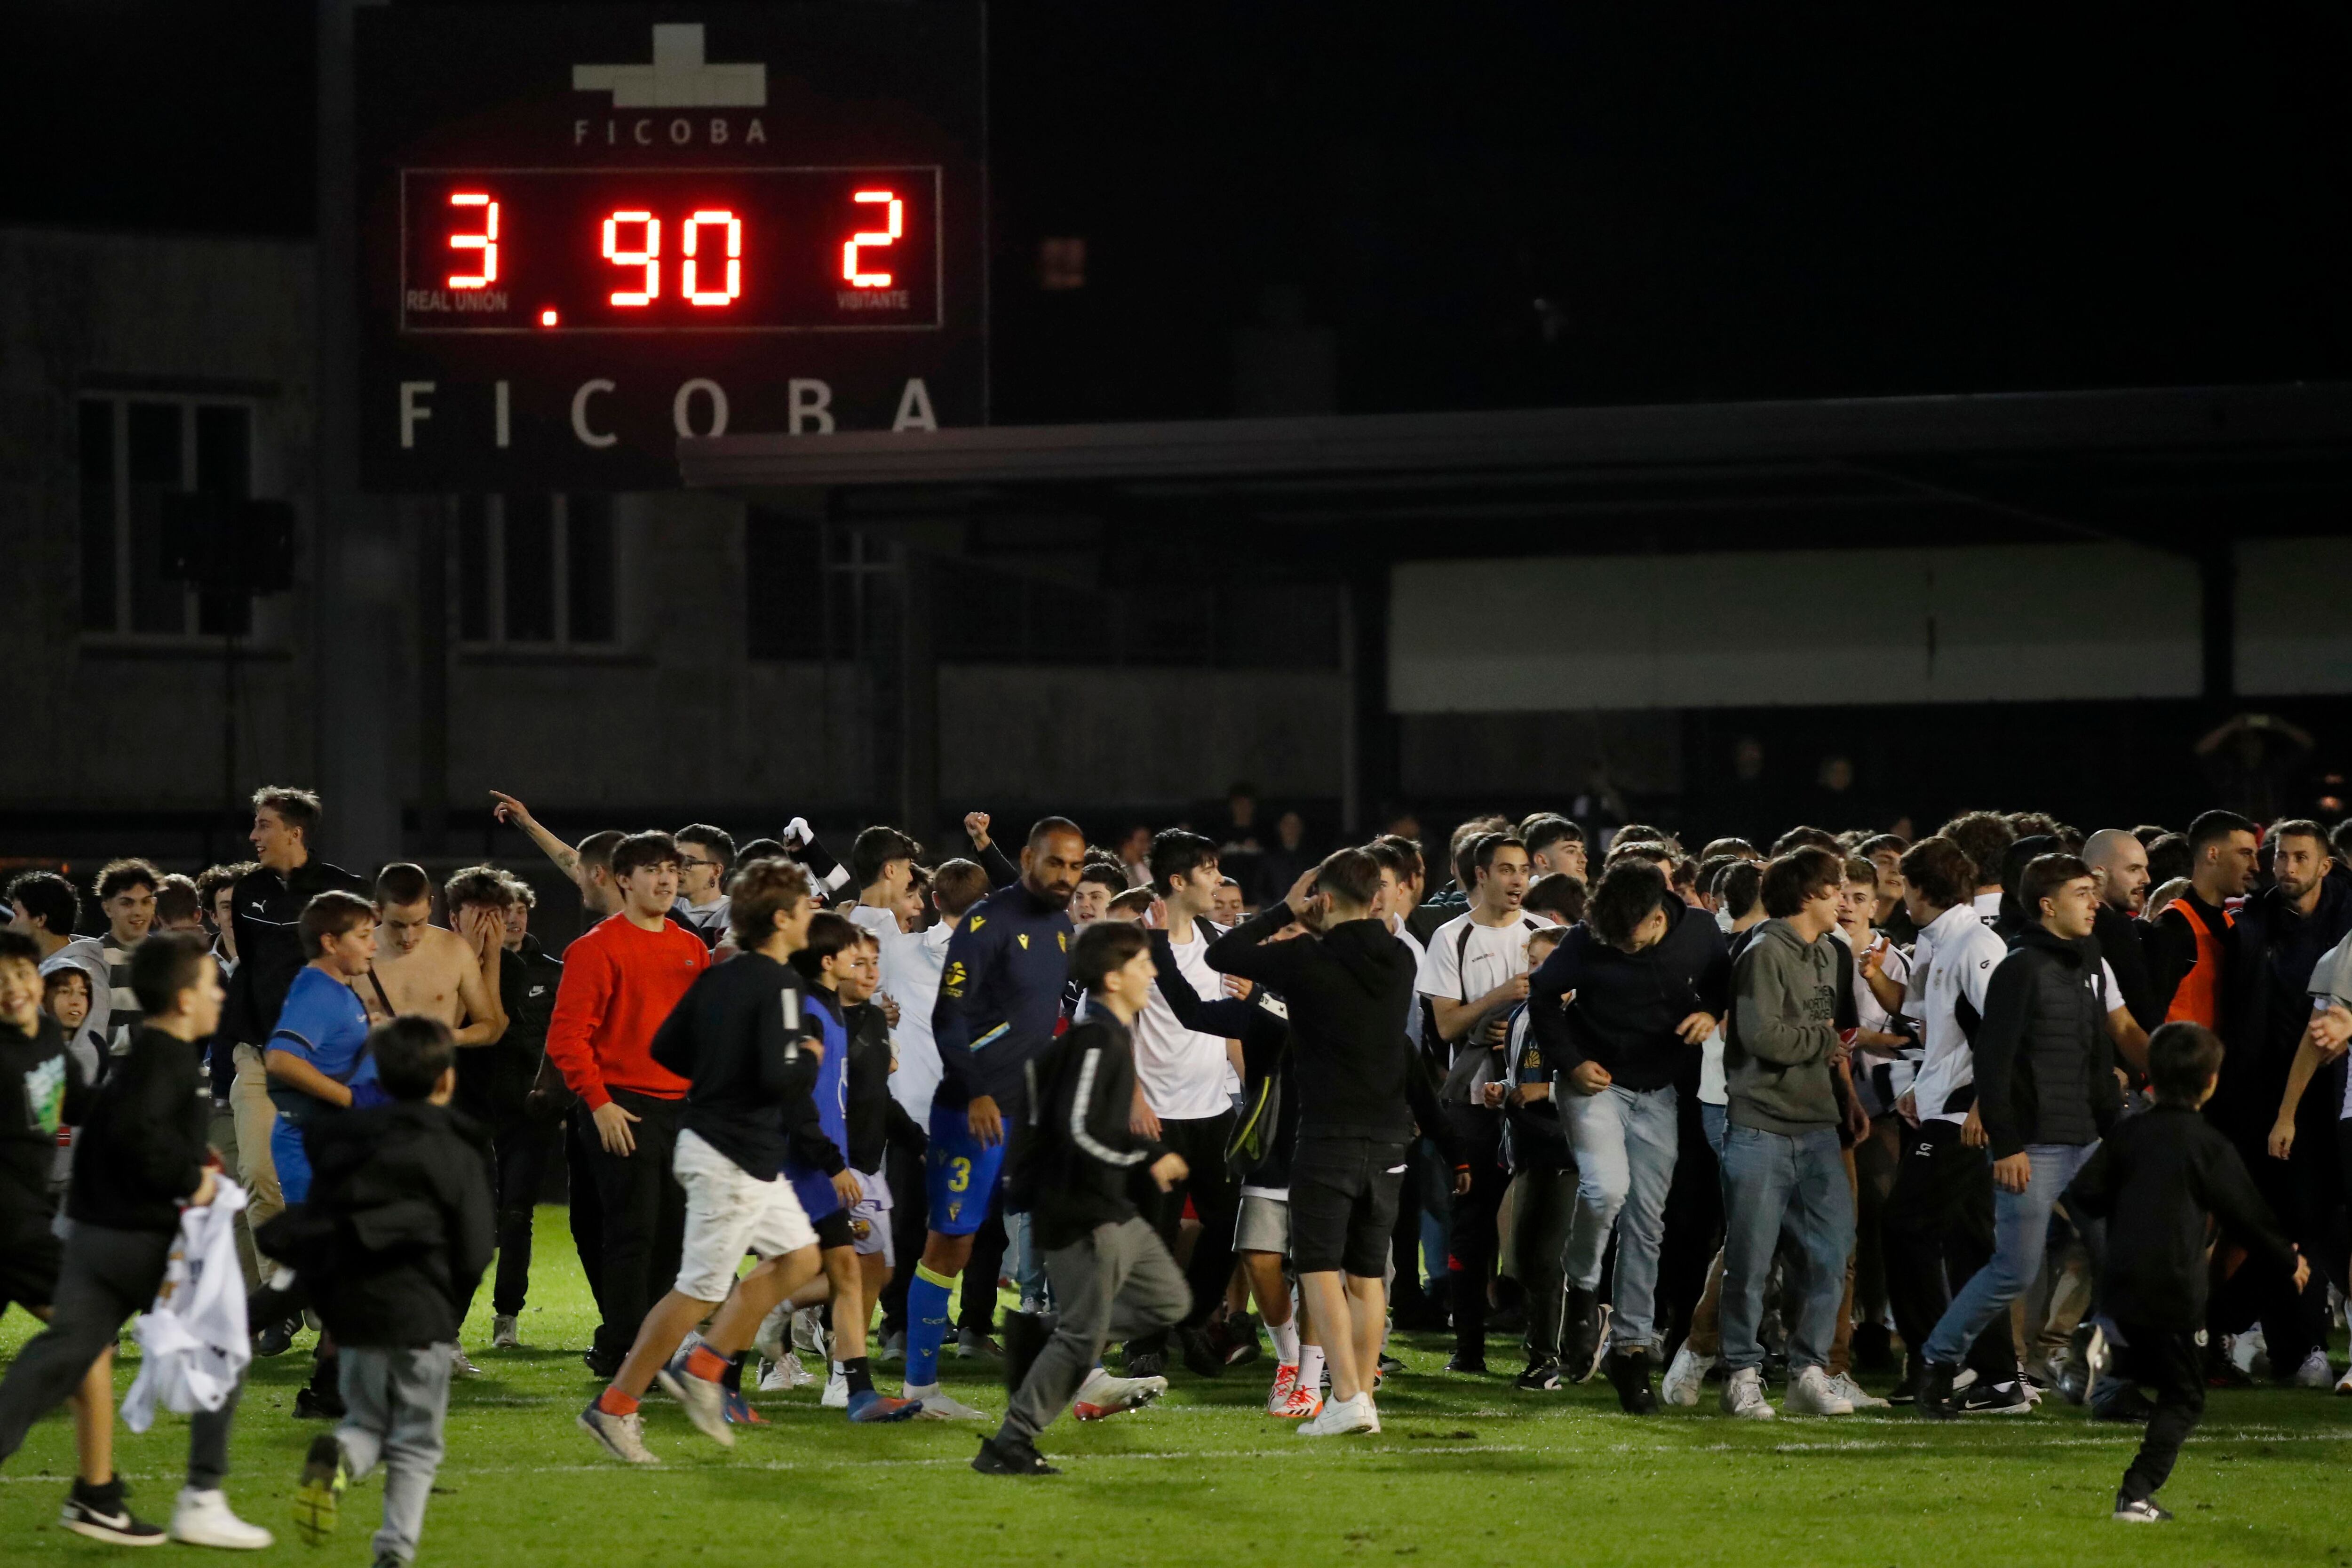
[680,78]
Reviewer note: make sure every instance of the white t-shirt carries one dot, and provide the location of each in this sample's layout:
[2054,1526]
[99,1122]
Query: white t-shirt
[1183,1072]
[1882,1082]
[911,967]
[1465,960]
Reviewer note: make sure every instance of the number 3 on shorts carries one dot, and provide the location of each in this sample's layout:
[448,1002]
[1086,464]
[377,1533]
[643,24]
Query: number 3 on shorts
[959,1174]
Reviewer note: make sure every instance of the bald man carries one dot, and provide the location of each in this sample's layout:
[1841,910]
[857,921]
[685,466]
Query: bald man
[2119,865]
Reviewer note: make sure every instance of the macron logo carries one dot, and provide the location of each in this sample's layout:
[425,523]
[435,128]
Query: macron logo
[680,78]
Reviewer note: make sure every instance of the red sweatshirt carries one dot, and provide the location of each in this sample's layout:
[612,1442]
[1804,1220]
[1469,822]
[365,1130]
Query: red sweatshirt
[619,983]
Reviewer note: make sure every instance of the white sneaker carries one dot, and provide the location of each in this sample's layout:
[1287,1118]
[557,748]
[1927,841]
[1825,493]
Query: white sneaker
[769,1340]
[783,1374]
[2249,1351]
[460,1366]
[705,1402]
[808,1329]
[836,1390]
[1102,1395]
[1810,1394]
[938,1406]
[2315,1371]
[1743,1396]
[203,1519]
[2344,1383]
[622,1437]
[1684,1377]
[502,1334]
[1853,1394]
[1342,1416]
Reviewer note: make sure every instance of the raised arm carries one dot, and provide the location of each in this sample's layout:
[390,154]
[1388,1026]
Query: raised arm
[513,812]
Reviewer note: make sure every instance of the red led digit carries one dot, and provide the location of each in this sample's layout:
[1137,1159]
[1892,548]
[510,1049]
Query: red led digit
[849,258]
[648,257]
[734,227]
[486,242]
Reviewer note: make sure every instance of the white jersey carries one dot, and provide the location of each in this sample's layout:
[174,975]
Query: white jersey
[1950,968]
[1183,1073]
[1465,960]
[911,967]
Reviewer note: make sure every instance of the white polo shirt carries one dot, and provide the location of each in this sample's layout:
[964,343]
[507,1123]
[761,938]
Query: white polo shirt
[1184,1074]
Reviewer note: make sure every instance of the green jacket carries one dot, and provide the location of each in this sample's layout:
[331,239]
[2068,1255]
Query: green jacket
[1783,1027]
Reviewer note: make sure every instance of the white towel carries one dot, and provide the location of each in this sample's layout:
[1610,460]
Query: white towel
[192,1342]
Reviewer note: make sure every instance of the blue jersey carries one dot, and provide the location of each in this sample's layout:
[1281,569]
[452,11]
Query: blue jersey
[324,1023]
[1000,996]
[831,1091]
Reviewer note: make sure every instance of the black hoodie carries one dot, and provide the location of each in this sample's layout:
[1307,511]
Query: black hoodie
[1628,1005]
[1348,992]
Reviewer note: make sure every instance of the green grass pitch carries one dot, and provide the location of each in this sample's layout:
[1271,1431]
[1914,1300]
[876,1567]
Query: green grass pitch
[1468,1472]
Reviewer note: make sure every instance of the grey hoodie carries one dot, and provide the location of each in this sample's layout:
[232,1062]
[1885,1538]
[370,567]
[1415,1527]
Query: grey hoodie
[1783,1027]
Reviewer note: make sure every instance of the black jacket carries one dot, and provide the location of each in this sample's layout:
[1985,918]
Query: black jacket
[1348,992]
[1628,1005]
[874,1115]
[141,1150]
[494,1081]
[41,1090]
[1075,1162]
[2121,944]
[2154,1179]
[2266,1001]
[399,1220]
[2045,1067]
[735,1036]
[267,910]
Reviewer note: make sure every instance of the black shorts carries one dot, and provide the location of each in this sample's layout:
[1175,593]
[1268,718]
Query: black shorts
[834,1230]
[30,1257]
[1343,1205]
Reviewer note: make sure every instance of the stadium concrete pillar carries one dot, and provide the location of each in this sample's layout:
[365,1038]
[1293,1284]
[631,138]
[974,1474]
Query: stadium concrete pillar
[357,564]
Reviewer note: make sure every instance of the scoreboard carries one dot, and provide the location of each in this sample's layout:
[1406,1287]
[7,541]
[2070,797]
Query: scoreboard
[588,231]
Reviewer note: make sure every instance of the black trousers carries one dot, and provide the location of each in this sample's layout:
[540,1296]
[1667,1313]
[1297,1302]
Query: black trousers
[583,1206]
[108,1278]
[517,1155]
[1216,1200]
[2171,1364]
[1471,1239]
[644,1217]
[1540,1227]
[976,1303]
[1406,1297]
[910,1224]
[2306,1193]
[1937,1231]
[1693,1221]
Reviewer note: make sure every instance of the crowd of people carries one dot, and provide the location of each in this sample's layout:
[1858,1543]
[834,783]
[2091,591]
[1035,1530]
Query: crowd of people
[2007,1112]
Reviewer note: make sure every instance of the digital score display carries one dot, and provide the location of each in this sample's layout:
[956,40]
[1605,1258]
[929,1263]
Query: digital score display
[588,232]
[715,250]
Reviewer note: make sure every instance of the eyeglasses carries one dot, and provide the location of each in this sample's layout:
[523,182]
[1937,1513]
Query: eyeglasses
[685,865]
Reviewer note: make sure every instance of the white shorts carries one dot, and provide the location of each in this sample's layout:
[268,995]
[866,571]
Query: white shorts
[869,1222]
[730,1212]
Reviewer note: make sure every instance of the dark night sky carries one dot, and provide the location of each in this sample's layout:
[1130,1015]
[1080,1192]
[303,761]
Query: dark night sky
[1714,203]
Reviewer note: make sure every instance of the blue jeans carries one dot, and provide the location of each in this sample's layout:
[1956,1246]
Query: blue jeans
[1779,1185]
[2020,1230]
[1625,1146]
[1714,1121]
